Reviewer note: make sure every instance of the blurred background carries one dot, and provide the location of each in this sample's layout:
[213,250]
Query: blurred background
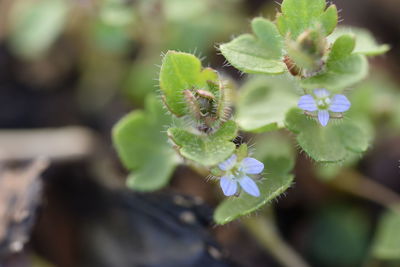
[70,69]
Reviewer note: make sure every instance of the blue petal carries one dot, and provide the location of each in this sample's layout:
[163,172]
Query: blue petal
[252,166]
[307,102]
[321,93]
[339,103]
[229,163]
[229,187]
[323,117]
[249,186]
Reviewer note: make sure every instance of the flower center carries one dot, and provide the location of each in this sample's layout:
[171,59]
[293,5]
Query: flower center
[323,103]
[237,172]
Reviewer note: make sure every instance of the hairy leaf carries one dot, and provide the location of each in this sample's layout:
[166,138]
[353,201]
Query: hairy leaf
[332,143]
[300,15]
[261,53]
[207,150]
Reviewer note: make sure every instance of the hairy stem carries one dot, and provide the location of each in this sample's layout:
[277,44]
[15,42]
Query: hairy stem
[264,230]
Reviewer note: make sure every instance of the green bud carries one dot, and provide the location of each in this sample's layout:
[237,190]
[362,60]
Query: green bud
[308,52]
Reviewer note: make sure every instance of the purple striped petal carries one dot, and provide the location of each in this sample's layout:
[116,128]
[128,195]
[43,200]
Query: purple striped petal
[307,103]
[321,93]
[252,166]
[249,186]
[339,103]
[229,187]
[323,117]
[228,164]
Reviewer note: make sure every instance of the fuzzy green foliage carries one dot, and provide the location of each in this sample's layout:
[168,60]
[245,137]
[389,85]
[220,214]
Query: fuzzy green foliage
[329,144]
[300,15]
[259,53]
[300,43]
[181,71]
[205,149]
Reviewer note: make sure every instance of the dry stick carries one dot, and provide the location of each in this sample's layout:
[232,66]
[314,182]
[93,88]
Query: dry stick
[355,183]
[62,143]
[20,191]
[264,230]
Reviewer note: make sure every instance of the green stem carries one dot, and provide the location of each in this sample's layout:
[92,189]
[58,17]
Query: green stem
[264,230]
[356,184]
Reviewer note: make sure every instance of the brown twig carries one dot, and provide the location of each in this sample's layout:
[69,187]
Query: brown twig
[53,143]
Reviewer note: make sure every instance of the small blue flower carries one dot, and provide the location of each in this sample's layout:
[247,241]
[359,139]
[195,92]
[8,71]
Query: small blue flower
[323,103]
[237,173]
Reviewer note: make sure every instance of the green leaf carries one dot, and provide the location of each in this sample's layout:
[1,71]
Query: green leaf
[140,78]
[180,71]
[143,148]
[264,102]
[386,245]
[190,24]
[332,143]
[207,150]
[261,53]
[343,67]
[116,13]
[300,15]
[338,235]
[35,25]
[365,41]
[277,155]
[377,98]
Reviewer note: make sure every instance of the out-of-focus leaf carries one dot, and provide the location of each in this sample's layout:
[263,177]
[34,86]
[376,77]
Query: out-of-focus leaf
[277,155]
[300,15]
[143,148]
[261,53]
[116,13]
[343,67]
[141,79]
[207,150]
[181,71]
[386,245]
[191,25]
[110,38]
[338,236]
[264,101]
[182,10]
[35,25]
[332,143]
[365,41]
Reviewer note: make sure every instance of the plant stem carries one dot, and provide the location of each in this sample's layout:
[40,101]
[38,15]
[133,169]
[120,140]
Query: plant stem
[353,182]
[264,230]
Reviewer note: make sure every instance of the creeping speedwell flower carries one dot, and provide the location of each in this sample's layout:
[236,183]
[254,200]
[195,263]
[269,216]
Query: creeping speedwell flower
[323,103]
[237,172]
